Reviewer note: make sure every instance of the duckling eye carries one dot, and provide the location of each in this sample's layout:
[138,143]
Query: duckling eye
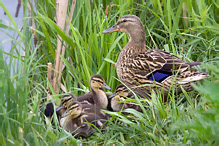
[124,20]
[99,81]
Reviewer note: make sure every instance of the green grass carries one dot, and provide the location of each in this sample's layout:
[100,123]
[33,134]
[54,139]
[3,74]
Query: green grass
[190,118]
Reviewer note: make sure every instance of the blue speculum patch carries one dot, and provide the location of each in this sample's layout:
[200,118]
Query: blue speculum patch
[159,76]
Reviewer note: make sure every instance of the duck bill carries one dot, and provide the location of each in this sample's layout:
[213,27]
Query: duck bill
[112,95]
[106,86]
[65,114]
[59,108]
[111,29]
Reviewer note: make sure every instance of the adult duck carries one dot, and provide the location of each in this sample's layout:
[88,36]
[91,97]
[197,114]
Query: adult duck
[137,65]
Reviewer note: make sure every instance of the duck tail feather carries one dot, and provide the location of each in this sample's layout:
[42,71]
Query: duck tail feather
[191,64]
[197,77]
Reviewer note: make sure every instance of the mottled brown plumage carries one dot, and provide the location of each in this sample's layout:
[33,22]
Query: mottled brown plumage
[136,65]
[75,119]
[96,96]
[121,94]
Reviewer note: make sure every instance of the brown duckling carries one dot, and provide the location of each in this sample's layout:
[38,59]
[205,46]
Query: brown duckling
[75,117]
[96,96]
[66,99]
[121,92]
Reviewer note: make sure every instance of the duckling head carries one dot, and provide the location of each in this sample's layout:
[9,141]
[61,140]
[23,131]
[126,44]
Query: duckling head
[97,82]
[115,103]
[120,90]
[131,25]
[74,110]
[65,101]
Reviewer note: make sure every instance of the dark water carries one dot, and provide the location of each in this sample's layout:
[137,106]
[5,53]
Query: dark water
[5,40]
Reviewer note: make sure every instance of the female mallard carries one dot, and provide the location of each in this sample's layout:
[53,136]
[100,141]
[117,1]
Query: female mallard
[137,65]
[96,96]
[75,119]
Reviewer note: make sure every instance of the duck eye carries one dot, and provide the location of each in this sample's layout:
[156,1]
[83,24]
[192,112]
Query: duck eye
[124,20]
[99,81]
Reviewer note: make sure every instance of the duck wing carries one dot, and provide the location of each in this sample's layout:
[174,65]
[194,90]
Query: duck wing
[157,65]
[86,98]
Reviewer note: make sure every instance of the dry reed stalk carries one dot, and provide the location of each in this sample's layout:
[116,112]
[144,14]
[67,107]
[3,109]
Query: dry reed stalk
[106,11]
[61,15]
[33,27]
[63,88]
[67,32]
[49,79]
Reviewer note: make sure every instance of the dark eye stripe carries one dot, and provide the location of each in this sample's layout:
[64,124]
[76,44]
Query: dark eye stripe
[124,20]
[98,81]
[118,90]
[74,106]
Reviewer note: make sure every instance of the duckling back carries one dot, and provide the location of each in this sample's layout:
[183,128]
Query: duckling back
[82,126]
[78,115]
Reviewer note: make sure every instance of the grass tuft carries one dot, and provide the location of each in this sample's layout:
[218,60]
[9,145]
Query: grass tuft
[188,29]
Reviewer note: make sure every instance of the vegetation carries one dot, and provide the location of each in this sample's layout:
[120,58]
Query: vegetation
[185,28]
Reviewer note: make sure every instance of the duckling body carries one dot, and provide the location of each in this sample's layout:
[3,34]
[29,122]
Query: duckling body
[96,96]
[78,127]
[116,105]
[117,98]
[136,65]
[75,118]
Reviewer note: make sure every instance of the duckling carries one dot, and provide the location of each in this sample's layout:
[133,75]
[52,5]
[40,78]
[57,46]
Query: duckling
[96,96]
[117,98]
[117,105]
[66,100]
[137,65]
[74,120]
[86,107]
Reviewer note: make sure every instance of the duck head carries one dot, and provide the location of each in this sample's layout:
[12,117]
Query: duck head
[131,25]
[97,82]
[65,101]
[120,90]
[74,110]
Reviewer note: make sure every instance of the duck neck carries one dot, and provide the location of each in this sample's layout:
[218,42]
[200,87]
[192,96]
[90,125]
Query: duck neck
[137,36]
[101,99]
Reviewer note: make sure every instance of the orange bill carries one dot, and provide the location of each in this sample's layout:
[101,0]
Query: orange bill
[111,29]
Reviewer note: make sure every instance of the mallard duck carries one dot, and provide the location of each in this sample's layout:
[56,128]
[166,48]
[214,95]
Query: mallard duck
[137,65]
[96,96]
[86,106]
[75,117]
[118,96]
[65,101]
